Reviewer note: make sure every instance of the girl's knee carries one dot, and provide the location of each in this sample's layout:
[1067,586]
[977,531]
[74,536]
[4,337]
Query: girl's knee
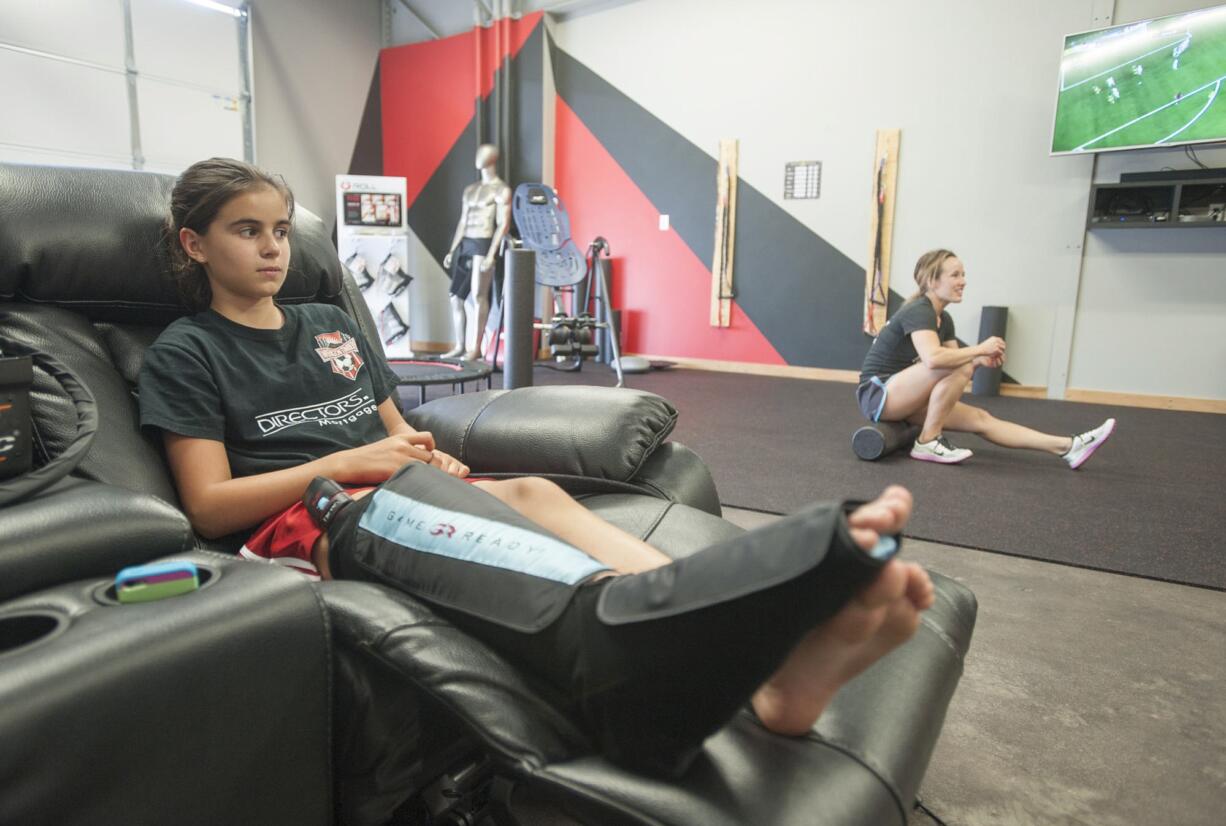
[528,489]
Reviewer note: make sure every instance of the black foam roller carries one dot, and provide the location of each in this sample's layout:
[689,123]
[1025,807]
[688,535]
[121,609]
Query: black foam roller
[873,441]
[992,322]
[520,293]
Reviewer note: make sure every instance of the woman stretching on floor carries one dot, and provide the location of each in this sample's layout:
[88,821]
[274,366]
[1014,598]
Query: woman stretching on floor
[916,372]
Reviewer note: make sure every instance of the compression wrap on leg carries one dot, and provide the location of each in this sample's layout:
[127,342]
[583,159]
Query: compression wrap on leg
[651,663]
[437,538]
[753,562]
[699,636]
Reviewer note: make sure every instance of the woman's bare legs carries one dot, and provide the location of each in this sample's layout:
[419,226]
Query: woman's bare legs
[931,399]
[967,419]
[925,396]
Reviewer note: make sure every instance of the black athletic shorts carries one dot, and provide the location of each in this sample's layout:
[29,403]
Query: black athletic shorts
[462,264]
[871,397]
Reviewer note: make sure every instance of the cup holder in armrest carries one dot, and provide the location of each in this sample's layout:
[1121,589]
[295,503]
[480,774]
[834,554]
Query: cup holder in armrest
[104,592]
[19,630]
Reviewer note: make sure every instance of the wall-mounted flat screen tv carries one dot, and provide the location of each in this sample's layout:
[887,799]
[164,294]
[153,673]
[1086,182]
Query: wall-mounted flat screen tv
[1151,83]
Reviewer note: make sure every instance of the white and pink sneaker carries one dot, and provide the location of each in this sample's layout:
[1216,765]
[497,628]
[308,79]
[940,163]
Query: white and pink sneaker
[1084,444]
[941,451]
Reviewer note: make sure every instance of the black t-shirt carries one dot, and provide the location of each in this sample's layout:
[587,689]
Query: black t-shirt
[893,350]
[276,398]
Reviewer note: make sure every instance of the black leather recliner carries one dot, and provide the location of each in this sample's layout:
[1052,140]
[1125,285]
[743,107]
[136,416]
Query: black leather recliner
[418,711]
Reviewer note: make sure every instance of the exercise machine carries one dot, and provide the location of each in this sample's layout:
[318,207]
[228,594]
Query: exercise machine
[544,228]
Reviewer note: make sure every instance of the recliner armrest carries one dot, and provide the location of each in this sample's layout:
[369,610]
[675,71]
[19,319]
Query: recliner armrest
[78,529]
[598,433]
[212,707]
[677,473]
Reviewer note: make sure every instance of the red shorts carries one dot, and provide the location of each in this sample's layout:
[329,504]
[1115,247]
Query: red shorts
[289,537]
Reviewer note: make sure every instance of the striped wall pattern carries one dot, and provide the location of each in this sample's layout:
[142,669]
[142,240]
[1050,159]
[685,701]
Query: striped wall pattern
[618,167]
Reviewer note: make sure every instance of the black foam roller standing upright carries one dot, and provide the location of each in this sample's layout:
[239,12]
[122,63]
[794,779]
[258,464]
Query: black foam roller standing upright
[520,283]
[992,322]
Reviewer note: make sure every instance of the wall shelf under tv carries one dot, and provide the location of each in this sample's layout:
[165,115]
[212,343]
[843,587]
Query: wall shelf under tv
[1155,203]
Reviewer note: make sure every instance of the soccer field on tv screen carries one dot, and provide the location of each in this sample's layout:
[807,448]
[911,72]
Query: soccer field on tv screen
[1152,83]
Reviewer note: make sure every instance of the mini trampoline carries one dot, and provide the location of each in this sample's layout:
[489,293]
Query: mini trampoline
[422,372]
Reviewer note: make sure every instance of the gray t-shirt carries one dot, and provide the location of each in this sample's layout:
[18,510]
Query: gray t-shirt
[893,350]
[275,398]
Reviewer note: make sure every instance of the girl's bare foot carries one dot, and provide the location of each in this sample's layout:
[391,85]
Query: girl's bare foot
[882,616]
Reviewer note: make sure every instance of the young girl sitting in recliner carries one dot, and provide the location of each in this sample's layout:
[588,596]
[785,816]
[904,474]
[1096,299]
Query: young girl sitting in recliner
[256,401]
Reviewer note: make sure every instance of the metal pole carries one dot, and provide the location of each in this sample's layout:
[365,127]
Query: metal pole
[518,295]
[129,60]
[246,98]
[478,104]
[602,270]
[506,142]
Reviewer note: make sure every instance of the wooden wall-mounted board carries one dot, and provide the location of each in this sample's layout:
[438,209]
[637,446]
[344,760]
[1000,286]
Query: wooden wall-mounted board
[725,234]
[881,230]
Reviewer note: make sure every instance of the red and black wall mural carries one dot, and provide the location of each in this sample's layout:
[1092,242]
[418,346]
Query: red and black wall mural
[440,100]
[618,167]
[795,293]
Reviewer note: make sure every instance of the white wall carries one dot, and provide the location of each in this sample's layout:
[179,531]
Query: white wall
[313,63]
[972,85]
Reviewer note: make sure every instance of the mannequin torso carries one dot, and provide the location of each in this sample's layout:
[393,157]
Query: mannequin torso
[484,218]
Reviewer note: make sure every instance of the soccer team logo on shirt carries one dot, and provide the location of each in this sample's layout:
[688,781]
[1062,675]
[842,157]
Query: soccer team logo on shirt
[341,350]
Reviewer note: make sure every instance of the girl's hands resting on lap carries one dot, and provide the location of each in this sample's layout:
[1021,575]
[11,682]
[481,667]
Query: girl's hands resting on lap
[375,462]
[446,463]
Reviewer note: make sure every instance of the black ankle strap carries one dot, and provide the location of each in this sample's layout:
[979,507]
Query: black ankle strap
[324,500]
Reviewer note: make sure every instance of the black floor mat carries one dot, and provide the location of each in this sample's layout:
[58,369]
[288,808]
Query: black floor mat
[1149,503]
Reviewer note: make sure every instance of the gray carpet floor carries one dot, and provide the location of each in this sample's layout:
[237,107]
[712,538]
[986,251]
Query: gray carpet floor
[1149,503]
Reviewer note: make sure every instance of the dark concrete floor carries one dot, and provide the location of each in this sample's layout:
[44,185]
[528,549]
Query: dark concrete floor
[1088,698]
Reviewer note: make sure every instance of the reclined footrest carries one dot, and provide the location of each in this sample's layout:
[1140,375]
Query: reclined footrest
[862,763]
